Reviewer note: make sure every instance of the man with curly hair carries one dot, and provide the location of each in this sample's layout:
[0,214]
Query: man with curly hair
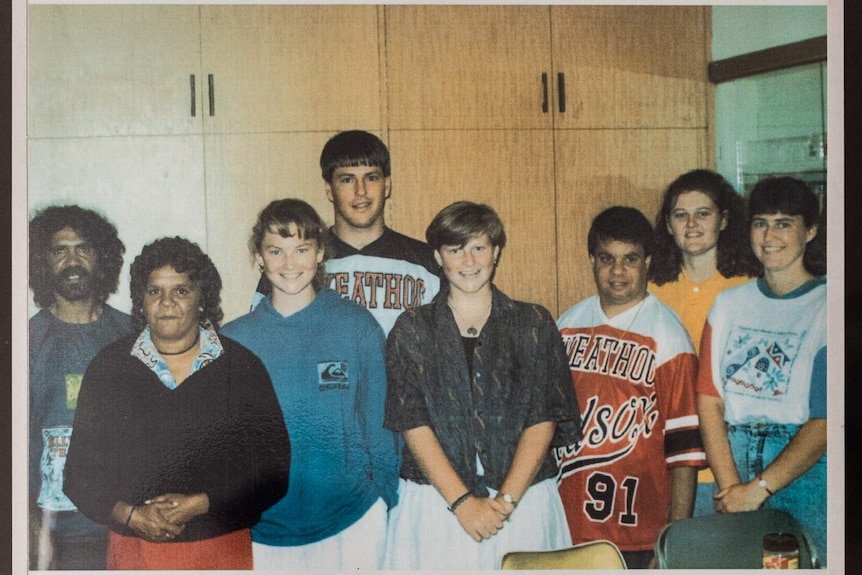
[75,262]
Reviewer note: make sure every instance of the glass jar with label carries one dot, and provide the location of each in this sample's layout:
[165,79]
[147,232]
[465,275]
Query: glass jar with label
[780,551]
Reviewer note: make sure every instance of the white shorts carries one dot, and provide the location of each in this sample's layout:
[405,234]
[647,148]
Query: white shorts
[424,534]
[359,547]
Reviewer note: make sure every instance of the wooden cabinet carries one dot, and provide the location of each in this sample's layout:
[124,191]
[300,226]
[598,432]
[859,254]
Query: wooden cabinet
[135,70]
[286,78]
[292,68]
[463,67]
[631,66]
[113,70]
[122,115]
[528,67]
[211,152]
[570,109]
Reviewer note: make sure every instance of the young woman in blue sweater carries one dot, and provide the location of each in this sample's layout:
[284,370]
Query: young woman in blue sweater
[325,357]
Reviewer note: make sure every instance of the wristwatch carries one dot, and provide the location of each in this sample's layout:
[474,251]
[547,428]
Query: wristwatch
[762,482]
[508,499]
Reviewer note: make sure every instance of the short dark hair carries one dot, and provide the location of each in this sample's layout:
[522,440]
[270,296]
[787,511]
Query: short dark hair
[621,224]
[792,197]
[186,258]
[455,224]
[785,195]
[733,251]
[353,148]
[279,215]
[93,228]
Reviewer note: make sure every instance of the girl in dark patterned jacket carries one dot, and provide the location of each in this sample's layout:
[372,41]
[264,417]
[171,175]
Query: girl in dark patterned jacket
[479,388]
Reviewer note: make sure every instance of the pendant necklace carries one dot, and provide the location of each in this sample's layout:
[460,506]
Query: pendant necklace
[472,331]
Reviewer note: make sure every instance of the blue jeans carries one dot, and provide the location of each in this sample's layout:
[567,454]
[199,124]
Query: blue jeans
[754,447]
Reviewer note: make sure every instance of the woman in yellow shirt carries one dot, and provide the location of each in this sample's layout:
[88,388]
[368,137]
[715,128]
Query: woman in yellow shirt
[702,248]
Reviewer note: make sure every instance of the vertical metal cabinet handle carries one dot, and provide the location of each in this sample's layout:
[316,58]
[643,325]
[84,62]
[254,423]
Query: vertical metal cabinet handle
[194,100]
[212,94]
[561,89]
[544,92]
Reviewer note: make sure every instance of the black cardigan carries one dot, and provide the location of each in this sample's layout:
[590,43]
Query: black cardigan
[221,432]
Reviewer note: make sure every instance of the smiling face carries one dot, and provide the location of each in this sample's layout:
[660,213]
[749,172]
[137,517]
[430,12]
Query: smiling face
[620,272]
[358,194]
[779,241]
[695,223]
[73,261]
[468,268]
[172,306]
[290,264]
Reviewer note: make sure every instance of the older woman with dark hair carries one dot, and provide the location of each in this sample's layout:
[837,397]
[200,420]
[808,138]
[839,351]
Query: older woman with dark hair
[480,390]
[179,442]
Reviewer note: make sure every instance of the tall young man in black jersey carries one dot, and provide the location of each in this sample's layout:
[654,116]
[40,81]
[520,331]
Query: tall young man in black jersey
[370,264]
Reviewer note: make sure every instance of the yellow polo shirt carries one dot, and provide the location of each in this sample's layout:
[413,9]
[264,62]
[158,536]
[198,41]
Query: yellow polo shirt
[691,301]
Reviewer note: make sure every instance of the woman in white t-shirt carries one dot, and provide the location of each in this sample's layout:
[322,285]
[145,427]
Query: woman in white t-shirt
[762,377]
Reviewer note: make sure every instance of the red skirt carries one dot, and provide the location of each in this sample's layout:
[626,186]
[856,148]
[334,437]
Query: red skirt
[231,551]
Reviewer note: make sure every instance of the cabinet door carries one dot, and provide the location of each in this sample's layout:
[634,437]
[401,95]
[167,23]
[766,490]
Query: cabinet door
[631,66]
[101,70]
[510,170]
[465,67]
[597,169]
[149,187]
[244,172]
[291,68]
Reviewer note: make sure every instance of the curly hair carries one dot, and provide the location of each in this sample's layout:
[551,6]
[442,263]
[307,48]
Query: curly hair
[185,257]
[733,251]
[279,216]
[792,197]
[93,228]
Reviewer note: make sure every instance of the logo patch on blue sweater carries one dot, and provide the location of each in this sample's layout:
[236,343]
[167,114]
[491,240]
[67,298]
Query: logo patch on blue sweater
[333,375]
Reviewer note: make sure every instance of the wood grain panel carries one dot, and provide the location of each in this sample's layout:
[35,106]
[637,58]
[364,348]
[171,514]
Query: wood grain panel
[510,170]
[631,66]
[467,66]
[292,67]
[597,169]
[113,70]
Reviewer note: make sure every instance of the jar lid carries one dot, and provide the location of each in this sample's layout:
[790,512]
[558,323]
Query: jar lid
[780,542]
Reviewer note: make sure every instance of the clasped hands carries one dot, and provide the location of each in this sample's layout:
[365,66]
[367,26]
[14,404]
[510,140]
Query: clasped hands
[482,517]
[740,497]
[161,519]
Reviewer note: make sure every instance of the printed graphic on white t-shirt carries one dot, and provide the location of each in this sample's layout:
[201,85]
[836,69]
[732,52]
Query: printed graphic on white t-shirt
[384,286]
[758,363]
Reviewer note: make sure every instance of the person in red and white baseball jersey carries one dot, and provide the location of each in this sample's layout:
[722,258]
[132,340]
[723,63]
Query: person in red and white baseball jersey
[634,368]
